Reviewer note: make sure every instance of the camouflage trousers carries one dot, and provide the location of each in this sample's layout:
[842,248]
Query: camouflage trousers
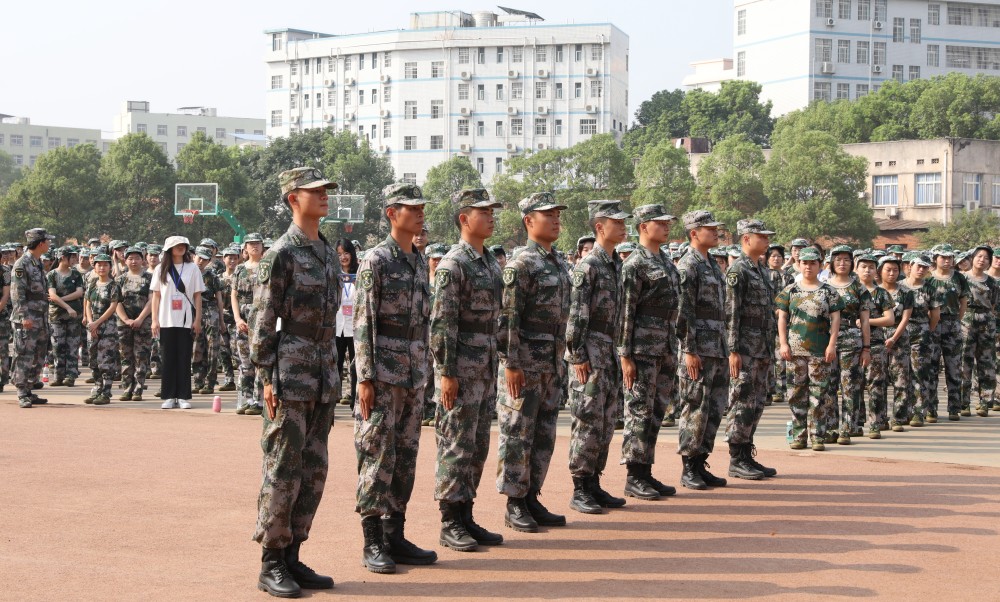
[979,351]
[898,373]
[429,405]
[134,346]
[5,336]
[779,375]
[30,346]
[205,358]
[946,346]
[226,355]
[387,445]
[103,350]
[747,393]
[248,375]
[84,347]
[874,386]
[593,408]
[702,403]
[294,471]
[646,403]
[923,393]
[155,364]
[67,336]
[463,440]
[808,397]
[527,431]
[850,374]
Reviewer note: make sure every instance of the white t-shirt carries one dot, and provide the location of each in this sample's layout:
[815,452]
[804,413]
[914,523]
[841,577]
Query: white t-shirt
[175,308]
[345,315]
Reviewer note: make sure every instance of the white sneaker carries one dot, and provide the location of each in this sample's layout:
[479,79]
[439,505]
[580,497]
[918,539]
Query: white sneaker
[185,404]
[169,404]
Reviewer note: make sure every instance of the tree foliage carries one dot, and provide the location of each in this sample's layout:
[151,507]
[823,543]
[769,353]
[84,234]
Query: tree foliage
[965,231]
[442,180]
[139,183]
[663,176]
[730,180]
[9,172]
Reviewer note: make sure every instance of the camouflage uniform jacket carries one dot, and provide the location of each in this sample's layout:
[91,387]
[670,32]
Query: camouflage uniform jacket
[391,310]
[135,293]
[209,304]
[536,291]
[301,286]
[245,281]
[101,296]
[227,291]
[950,291]
[465,311]
[924,299]
[749,309]
[984,297]
[29,297]
[594,310]
[650,293]
[881,300]
[5,274]
[702,322]
[64,285]
[856,300]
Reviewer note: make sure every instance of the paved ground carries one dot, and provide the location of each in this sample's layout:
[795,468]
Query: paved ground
[127,500]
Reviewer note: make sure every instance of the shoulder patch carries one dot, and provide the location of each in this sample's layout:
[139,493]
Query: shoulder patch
[509,276]
[732,279]
[263,271]
[442,277]
[19,272]
[578,278]
[366,280]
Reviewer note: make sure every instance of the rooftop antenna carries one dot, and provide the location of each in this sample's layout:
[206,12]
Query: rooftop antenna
[522,13]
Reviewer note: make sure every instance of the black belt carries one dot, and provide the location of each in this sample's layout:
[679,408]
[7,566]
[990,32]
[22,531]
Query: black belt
[666,313]
[477,327]
[412,333]
[603,327]
[556,330]
[319,335]
[708,314]
[949,317]
[753,322]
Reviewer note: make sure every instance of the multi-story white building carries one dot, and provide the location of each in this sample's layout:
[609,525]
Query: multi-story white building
[709,75]
[24,142]
[477,85]
[800,51]
[173,130]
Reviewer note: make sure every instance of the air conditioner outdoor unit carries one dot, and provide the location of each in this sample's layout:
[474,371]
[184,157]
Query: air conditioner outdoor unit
[329,83]
[591,109]
[543,73]
[465,148]
[512,110]
[972,206]
[295,85]
[466,111]
[830,22]
[384,113]
[827,68]
[511,147]
[513,74]
[543,110]
[383,149]
[466,75]
[295,118]
[349,116]
[592,71]
[541,146]
[385,79]
[328,117]
[876,68]
[348,81]
[892,212]
[877,25]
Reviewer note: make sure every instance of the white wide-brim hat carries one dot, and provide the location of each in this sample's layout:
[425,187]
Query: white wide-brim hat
[173,241]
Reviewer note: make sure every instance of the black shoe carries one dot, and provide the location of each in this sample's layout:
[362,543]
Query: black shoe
[38,400]
[275,578]
[636,485]
[402,550]
[583,499]
[518,517]
[662,489]
[481,535]
[738,465]
[303,575]
[605,499]
[690,477]
[541,514]
[768,472]
[375,556]
[710,479]
[37,386]
[453,532]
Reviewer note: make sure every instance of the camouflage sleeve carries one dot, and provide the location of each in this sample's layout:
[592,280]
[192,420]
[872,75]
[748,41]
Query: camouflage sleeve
[366,306]
[783,300]
[687,304]
[444,316]
[579,315]
[630,301]
[935,295]
[115,294]
[962,283]
[273,277]
[732,302]
[508,337]
[18,294]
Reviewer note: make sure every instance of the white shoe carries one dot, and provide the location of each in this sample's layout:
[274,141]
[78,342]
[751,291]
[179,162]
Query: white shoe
[168,404]
[185,404]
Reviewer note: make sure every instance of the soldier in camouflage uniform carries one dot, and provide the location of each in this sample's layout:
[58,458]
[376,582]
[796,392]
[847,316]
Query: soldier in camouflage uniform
[242,302]
[749,324]
[897,342]
[647,348]
[65,287]
[880,319]
[979,333]
[205,359]
[808,325]
[391,309]
[531,344]
[100,301]
[463,324]
[153,260]
[6,261]
[777,382]
[434,254]
[299,283]
[135,337]
[29,306]
[227,351]
[594,376]
[704,374]
[946,341]
[921,398]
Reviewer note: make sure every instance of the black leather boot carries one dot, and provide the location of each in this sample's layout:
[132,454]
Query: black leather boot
[518,517]
[275,578]
[636,485]
[375,556]
[304,576]
[710,479]
[481,535]
[738,465]
[751,452]
[661,488]
[605,499]
[583,499]
[402,550]
[541,514]
[453,532]
[690,477]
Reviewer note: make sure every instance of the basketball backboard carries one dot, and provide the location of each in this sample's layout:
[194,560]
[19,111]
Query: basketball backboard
[346,209]
[202,197]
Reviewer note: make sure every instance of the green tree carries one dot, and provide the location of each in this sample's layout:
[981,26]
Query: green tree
[358,170]
[729,180]
[667,105]
[62,193]
[663,176]
[735,109]
[140,191]
[816,189]
[966,230]
[442,180]
[9,173]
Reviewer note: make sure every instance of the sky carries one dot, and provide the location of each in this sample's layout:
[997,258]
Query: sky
[70,63]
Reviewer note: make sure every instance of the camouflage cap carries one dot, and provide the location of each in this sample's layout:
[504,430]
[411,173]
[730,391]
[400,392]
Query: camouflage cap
[751,226]
[100,249]
[133,249]
[699,219]
[208,242]
[774,246]
[943,249]
[866,257]
[403,193]
[268,243]
[69,250]
[37,234]
[84,252]
[101,257]
[203,252]
[718,252]
[895,249]
[140,245]
[799,242]
[976,249]
[676,255]
[93,240]
[625,247]
[474,197]
[654,212]
[253,237]
[734,251]
[920,259]
[838,249]
[303,177]
[49,256]
[585,239]
[996,251]
[889,259]
[230,251]
[878,253]
[809,254]
[498,250]
[606,209]
[437,250]
[117,244]
[674,246]
[539,201]
[959,258]
[154,249]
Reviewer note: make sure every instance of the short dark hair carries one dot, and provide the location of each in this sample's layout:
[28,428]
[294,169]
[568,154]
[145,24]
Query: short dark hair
[458,224]
[348,247]
[34,244]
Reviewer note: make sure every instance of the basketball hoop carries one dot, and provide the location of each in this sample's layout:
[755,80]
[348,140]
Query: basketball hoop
[189,215]
[348,227]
